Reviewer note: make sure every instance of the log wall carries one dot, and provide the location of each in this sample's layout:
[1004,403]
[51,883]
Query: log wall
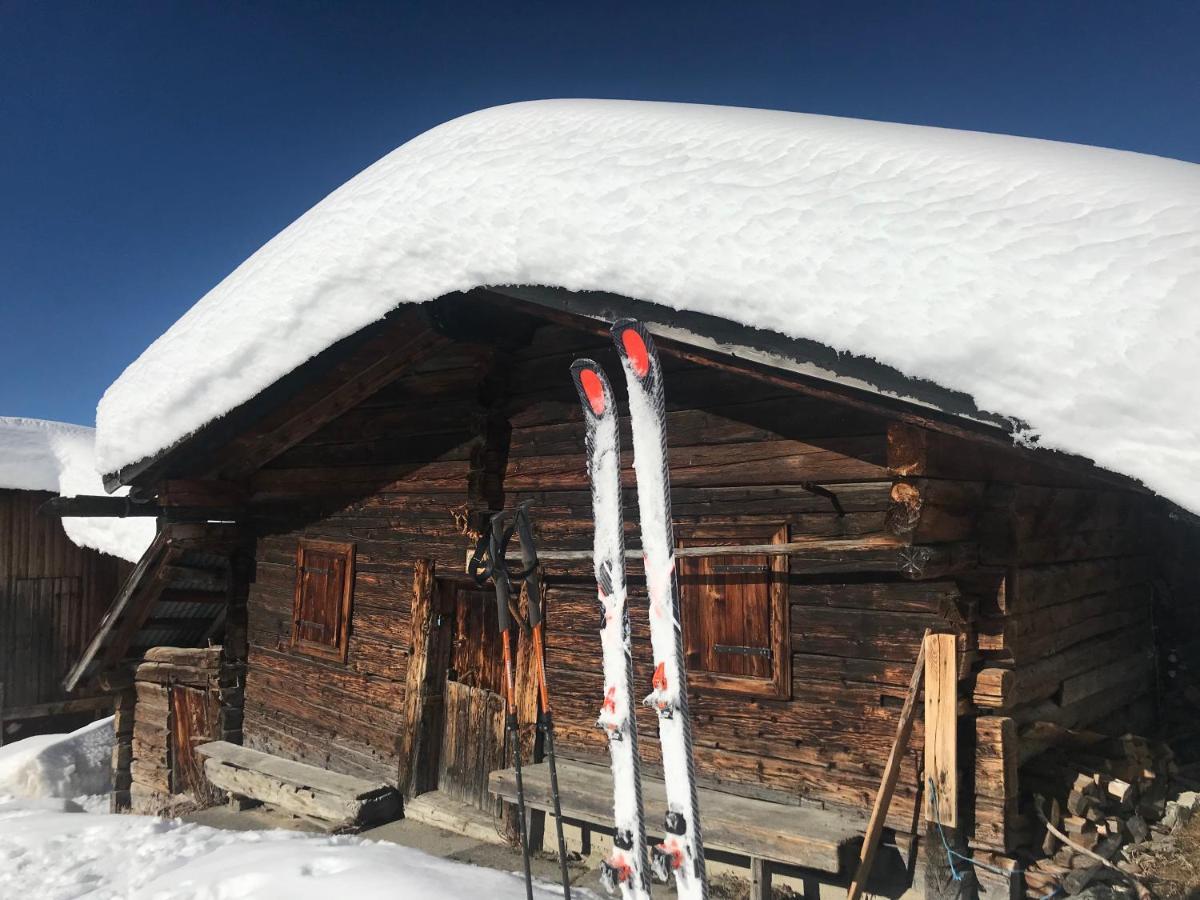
[399,476]
[1065,614]
[1050,578]
[745,457]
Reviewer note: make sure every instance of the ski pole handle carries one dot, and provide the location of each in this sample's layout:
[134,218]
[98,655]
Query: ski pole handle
[529,563]
[498,539]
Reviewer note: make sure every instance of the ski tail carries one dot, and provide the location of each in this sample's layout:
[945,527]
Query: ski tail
[682,851]
[627,868]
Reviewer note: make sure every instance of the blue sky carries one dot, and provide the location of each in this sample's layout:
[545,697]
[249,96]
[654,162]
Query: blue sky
[148,148]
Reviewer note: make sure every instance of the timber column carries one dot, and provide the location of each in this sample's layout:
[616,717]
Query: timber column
[948,870]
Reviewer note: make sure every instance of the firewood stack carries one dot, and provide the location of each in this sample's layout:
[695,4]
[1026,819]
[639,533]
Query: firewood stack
[1110,798]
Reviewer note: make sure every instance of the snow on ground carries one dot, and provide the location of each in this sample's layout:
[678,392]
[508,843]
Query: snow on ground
[36,455]
[75,765]
[1055,283]
[51,850]
[62,856]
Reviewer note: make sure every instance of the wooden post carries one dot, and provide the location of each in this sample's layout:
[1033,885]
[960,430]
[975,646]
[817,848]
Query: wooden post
[423,641]
[760,879]
[891,771]
[941,775]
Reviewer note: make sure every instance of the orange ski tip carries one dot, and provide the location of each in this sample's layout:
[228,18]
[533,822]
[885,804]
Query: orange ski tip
[659,682]
[593,389]
[635,350]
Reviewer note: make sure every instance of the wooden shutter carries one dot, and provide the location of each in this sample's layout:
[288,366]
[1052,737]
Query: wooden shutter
[321,610]
[730,599]
[735,616]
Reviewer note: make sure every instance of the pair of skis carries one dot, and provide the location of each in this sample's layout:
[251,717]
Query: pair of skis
[681,853]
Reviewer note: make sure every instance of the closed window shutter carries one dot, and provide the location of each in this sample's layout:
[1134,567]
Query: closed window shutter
[323,580]
[727,602]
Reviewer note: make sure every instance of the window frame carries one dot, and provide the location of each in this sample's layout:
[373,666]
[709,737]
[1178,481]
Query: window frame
[338,651]
[778,685]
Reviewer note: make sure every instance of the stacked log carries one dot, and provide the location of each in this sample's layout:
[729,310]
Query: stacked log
[1104,796]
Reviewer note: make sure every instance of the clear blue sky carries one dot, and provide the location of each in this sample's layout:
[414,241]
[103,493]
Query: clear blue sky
[148,148]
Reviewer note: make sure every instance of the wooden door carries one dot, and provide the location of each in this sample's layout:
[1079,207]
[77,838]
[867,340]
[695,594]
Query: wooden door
[473,710]
[194,720]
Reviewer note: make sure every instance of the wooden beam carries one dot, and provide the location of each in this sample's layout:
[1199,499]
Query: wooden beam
[84,666]
[891,771]
[97,508]
[945,877]
[422,669]
[57,708]
[941,730]
[806,557]
[760,879]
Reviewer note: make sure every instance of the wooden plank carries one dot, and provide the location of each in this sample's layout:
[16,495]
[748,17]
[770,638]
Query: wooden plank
[792,835]
[996,761]
[816,556]
[891,771]
[422,671]
[311,777]
[56,708]
[941,723]
[760,879]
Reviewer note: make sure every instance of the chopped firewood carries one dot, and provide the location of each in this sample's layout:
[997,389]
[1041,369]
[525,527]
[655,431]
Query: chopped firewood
[1121,791]
[1076,824]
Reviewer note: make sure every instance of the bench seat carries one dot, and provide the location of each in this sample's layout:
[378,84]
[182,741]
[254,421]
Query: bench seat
[805,837]
[298,788]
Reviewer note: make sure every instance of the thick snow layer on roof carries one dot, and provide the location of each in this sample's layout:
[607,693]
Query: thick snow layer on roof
[36,455]
[1054,283]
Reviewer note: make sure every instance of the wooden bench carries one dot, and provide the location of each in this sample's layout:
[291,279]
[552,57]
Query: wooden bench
[767,833]
[303,790]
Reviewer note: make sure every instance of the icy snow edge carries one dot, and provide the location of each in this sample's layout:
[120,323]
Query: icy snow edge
[37,455]
[1054,283]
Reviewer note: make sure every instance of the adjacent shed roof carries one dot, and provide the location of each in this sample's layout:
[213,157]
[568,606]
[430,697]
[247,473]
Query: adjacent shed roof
[1055,284]
[36,455]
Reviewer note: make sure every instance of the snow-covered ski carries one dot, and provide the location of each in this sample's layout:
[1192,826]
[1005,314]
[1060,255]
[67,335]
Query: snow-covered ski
[682,850]
[626,868]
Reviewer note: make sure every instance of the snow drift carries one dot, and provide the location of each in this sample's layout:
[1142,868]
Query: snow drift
[52,855]
[59,765]
[1054,283]
[36,455]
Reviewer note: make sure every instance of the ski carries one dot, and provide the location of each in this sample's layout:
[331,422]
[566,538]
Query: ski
[682,849]
[626,867]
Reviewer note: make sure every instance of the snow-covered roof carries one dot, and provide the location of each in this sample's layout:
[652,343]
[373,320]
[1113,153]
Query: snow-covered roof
[36,455]
[1054,283]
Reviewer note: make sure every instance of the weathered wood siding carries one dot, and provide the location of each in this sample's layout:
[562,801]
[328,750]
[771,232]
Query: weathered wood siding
[740,452]
[52,596]
[1057,572]
[386,476]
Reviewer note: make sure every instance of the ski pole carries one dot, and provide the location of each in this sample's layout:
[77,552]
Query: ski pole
[533,583]
[497,541]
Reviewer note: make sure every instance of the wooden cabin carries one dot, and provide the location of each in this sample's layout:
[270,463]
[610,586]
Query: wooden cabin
[339,505]
[53,589]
